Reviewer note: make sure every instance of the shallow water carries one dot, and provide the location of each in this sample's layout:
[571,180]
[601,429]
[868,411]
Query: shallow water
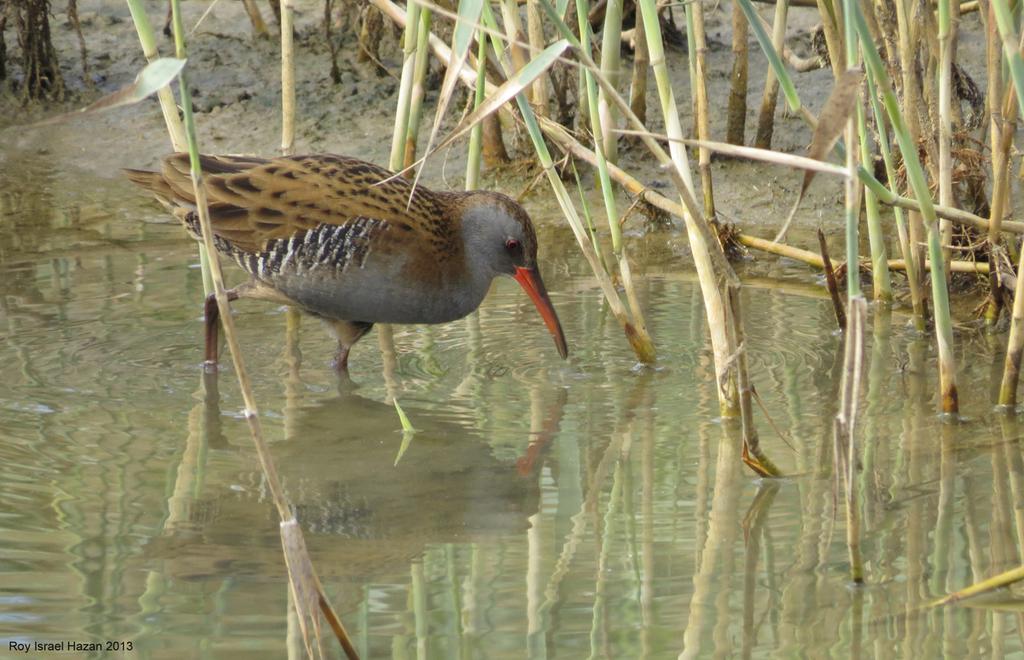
[588,508]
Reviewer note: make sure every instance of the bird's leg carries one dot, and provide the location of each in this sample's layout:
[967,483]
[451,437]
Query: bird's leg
[212,315]
[348,333]
[341,359]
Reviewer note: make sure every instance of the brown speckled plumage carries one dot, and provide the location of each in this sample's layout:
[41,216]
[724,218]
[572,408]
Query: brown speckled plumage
[345,240]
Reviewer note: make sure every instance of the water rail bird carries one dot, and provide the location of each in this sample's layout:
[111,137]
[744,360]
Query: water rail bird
[348,242]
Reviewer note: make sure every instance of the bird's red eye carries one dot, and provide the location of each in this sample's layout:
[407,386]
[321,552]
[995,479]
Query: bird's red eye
[511,244]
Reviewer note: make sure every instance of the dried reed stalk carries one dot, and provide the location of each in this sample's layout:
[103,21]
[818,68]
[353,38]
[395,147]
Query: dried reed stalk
[698,84]
[287,77]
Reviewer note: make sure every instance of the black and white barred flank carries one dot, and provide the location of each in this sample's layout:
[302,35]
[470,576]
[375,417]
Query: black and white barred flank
[328,250]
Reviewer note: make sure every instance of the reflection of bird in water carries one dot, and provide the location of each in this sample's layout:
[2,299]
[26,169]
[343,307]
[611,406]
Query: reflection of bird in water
[365,517]
[340,464]
[342,240]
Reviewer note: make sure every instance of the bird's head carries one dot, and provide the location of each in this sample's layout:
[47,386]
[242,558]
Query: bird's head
[500,240]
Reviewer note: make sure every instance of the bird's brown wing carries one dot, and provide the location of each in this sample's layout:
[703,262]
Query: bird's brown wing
[254,201]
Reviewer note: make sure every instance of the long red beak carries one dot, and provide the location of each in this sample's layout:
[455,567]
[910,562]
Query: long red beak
[529,279]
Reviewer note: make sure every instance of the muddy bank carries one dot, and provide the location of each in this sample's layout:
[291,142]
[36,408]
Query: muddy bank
[237,93]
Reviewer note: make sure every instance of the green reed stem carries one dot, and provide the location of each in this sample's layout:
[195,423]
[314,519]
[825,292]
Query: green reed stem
[880,276]
[947,39]
[405,88]
[611,61]
[852,204]
[774,59]
[714,301]
[641,343]
[1015,344]
[909,255]
[707,253]
[919,184]
[421,60]
[475,152]
[149,48]
[599,130]
[588,217]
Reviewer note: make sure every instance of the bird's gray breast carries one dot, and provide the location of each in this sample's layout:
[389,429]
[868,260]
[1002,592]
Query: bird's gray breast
[334,272]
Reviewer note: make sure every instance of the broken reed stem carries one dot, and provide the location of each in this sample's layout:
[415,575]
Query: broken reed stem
[1004,579]
[752,454]
[291,534]
[884,195]
[659,201]
[845,430]
[814,260]
[287,78]
[830,280]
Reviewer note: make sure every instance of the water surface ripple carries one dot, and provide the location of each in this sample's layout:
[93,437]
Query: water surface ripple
[591,507]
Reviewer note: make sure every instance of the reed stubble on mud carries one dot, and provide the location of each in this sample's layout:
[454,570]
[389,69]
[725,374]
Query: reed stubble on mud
[737,108]
[40,67]
[766,114]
